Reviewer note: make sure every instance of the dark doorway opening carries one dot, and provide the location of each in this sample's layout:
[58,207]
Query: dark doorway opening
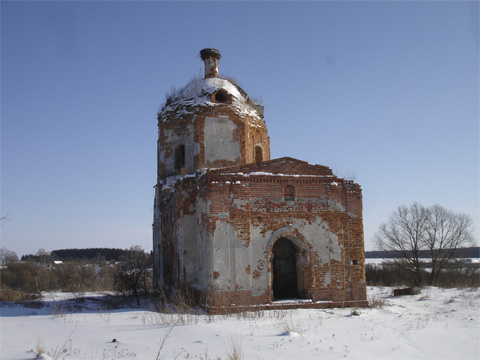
[284,270]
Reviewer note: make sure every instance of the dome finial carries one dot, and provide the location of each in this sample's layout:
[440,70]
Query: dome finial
[210,57]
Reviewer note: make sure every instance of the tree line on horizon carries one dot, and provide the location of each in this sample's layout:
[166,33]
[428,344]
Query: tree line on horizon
[81,270]
[115,254]
[462,253]
[107,254]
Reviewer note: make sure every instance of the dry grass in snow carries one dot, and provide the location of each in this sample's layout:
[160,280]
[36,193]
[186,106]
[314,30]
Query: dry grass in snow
[435,324]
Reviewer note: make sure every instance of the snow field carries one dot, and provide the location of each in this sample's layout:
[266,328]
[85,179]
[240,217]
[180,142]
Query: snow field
[436,324]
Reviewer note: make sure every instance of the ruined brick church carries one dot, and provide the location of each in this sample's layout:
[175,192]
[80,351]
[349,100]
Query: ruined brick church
[239,228]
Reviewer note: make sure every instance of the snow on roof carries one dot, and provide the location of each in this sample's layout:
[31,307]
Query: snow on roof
[169,182]
[260,173]
[197,93]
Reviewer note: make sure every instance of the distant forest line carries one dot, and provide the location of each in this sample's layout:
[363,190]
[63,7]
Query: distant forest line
[109,254]
[473,252]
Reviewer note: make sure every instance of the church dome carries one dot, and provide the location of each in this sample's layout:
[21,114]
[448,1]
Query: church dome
[209,91]
[210,123]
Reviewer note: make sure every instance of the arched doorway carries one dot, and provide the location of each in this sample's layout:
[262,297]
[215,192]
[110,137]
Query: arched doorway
[285,279]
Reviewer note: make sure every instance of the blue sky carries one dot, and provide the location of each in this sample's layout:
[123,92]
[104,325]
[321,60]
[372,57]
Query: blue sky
[386,91]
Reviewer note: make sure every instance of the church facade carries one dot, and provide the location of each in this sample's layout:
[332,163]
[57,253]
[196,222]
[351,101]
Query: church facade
[240,228]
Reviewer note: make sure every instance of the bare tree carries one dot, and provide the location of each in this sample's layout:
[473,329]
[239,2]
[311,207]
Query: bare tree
[67,276]
[7,256]
[133,275]
[447,232]
[414,231]
[402,235]
[43,257]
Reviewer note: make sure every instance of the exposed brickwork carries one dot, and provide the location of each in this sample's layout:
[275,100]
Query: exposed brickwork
[252,204]
[215,228]
[250,131]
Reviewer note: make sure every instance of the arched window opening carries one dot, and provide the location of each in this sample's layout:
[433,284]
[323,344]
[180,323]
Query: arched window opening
[284,270]
[180,157]
[258,154]
[289,193]
[221,96]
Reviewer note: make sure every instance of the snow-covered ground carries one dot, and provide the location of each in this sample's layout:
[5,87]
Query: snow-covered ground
[436,324]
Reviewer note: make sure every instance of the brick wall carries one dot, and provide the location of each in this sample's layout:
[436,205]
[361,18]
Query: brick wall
[189,129]
[216,231]
[254,209]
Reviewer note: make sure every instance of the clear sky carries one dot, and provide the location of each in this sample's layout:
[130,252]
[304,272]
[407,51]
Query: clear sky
[386,91]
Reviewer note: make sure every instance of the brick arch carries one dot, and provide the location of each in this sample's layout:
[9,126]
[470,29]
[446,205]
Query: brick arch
[302,256]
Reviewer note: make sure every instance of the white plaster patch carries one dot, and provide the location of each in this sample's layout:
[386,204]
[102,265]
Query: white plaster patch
[219,144]
[221,254]
[189,237]
[204,253]
[222,234]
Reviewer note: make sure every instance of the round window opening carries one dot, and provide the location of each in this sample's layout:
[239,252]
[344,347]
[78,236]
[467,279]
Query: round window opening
[221,96]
